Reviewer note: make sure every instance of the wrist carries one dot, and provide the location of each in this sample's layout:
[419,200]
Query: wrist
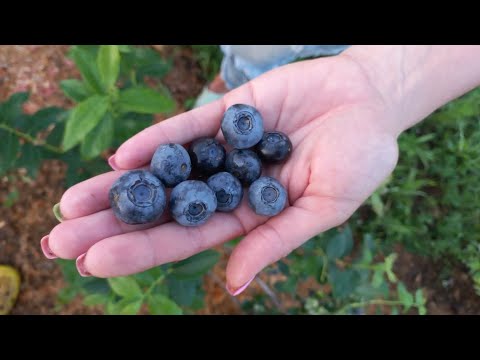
[415,80]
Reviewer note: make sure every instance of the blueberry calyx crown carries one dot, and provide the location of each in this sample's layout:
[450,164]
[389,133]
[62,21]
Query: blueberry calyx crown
[273,138]
[243,122]
[269,194]
[196,211]
[223,197]
[142,193]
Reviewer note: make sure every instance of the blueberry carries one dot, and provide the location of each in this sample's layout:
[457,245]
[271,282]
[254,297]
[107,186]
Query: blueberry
[242,126]
[208,156]
[228,190]
[275,146]
[192,203]
[245,165]
[137,197]
[171,164]
[267,196]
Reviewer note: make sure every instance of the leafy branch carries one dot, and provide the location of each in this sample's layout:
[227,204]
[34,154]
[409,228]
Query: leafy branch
[30,139]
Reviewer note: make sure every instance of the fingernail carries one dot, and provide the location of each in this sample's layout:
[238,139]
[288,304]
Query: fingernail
[81,266]
[46,249]
[111,162]
[57,212]
[238,291]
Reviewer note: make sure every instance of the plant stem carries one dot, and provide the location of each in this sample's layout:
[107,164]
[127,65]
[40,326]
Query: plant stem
[154,284]
[270,294]
[158,281]
[31,139]
[324,265]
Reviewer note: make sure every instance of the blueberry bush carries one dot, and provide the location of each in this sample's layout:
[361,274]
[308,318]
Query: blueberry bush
[429,204]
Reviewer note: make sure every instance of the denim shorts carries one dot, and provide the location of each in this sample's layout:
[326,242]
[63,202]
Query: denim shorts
[242,63]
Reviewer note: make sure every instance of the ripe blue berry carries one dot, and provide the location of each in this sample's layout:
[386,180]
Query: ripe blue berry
[192,203]
[207,155]
[137,197]
[171,164]
[228,190]
[242,126]
[245,165]
[266,196]
[275,146]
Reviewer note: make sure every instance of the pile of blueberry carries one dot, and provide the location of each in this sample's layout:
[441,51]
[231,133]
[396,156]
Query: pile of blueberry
[139,197]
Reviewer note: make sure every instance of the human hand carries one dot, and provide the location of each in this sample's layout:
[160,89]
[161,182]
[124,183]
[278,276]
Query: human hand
[343,132]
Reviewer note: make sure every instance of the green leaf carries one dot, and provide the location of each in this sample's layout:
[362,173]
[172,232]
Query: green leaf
[86,63]
[108,62]
[340,244]
[124,306]
[70,273]
[83,118]
[377,278]
[422,310]
[95,299]
[42,120]
[389,261]
[98,286]
[30,158]
[288,286]
[126,287]
[377,204]
[419,298]
[66,295]
[79,170]
[404,296]
[367,291]
[146,278]
[74,89]
[111,308]
[124,48]
[343,282]
[184,292]
[284,268]
[141,62]
[145,100]
[99,139]
[368,247]
[130,308]
[9,147]
[129,124]
[196,265]
[161,305]
[12,109]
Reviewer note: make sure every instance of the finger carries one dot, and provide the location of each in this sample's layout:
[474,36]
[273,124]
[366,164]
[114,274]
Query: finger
[180,129]
[72,238]
[277,237]
[89,196]
[140,250]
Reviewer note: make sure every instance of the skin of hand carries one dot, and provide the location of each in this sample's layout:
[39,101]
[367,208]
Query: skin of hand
[343,115]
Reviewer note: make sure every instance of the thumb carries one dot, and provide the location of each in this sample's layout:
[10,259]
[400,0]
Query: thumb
[280,235]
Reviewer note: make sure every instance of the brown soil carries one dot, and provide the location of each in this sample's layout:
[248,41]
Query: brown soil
[451,294]
[39,69]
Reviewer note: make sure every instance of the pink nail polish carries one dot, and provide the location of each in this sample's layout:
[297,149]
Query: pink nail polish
[234,292]
[49,254]
[81,266]
[111,162]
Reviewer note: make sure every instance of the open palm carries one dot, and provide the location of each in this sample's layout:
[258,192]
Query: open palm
[342,150]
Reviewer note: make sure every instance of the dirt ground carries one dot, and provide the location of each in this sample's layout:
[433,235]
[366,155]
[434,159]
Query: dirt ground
[39,69]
